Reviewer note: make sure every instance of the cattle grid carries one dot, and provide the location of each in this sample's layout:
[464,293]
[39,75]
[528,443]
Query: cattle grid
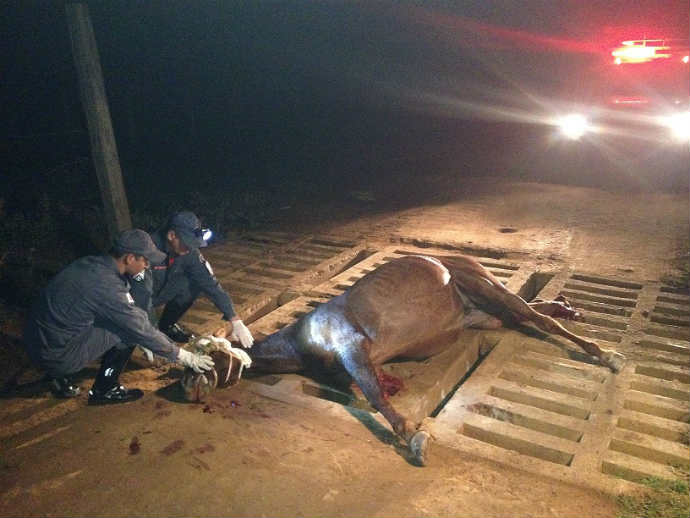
[536,401]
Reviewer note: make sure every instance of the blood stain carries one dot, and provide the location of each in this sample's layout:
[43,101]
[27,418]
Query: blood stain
[390,384]
[134,446]
[205,448]
[173,447]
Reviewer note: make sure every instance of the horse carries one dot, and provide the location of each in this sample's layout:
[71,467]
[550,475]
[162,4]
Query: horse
[412,307]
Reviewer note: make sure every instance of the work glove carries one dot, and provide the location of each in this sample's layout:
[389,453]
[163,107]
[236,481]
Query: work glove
[148,353]
[240,333]
[198,362]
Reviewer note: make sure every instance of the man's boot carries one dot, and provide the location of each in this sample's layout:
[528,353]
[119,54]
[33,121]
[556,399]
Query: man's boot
[106,388]
[63,387]
[167,323]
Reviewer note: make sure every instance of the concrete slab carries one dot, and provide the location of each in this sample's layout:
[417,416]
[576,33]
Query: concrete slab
[633,425]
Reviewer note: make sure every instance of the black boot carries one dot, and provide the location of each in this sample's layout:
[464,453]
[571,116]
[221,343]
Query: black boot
[172,312]
[106,388]
[177,333]
[63,387]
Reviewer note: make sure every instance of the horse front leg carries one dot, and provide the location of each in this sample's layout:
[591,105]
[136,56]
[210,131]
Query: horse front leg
[357,363]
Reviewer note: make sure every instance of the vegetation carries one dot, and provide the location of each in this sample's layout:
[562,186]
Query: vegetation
[661,498]
[43,230]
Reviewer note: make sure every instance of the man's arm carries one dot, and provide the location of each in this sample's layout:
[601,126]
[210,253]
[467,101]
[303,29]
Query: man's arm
[201,274]
[114,303]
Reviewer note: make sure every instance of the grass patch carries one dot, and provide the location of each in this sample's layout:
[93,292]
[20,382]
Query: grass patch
[661,498]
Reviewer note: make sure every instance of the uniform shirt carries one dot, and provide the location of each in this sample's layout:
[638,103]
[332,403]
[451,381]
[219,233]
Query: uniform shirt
[89,290]
[196,269]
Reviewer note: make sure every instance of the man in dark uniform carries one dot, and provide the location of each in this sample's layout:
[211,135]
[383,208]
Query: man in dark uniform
[177,280]
[87,312]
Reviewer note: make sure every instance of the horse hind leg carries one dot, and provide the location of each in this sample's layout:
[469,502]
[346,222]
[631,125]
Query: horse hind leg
[558,308]
[607,357]
[357,363]
[494,292]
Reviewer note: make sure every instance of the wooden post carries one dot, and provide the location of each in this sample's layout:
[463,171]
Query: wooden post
[95,103]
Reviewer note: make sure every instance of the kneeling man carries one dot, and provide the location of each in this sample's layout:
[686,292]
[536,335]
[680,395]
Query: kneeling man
[86,312]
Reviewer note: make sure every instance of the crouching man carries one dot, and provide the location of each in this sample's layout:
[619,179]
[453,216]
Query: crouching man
[86,312]
[180,277]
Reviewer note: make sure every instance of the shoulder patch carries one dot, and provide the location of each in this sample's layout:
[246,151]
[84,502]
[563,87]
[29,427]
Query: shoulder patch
[203,261]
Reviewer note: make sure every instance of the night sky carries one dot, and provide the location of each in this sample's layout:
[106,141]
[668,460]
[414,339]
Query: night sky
[229,94]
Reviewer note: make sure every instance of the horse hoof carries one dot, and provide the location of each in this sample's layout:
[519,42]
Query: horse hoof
[613,360]
[419,444]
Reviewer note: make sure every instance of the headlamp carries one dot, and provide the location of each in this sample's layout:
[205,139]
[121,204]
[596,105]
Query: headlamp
[203,233]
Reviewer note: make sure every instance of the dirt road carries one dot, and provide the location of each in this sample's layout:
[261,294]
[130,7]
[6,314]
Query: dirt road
[240,454]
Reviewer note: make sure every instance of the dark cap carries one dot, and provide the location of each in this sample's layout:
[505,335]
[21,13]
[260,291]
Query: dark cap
[188,228]
[138,242]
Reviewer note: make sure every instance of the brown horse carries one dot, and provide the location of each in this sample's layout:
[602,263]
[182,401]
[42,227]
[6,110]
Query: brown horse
[412,307]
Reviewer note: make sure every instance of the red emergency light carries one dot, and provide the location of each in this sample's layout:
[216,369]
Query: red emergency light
[641,51]
[646,50]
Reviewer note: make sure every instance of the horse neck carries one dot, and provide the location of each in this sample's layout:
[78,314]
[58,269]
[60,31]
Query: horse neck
[276,353]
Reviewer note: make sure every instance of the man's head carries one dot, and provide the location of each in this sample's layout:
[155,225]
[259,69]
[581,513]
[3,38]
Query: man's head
[185,232]
[134,250]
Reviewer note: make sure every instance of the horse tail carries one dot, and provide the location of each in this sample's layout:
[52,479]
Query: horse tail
[479,285]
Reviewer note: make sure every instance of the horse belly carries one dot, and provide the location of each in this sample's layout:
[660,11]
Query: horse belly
[405,312]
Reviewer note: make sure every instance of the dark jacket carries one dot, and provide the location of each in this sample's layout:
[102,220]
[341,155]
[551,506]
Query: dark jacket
[87,293]
[192,266]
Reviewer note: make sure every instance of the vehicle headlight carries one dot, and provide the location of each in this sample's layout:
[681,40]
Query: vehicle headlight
[679,124]
[573,126]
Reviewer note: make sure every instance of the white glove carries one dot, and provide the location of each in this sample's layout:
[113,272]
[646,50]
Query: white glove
[148,353]
[240,333]
[198,362]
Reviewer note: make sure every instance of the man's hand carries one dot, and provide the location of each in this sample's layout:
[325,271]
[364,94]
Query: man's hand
[241,333]
[198,362]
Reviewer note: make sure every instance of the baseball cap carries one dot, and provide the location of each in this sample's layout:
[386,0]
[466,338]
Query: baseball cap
[138,242]
[188,227]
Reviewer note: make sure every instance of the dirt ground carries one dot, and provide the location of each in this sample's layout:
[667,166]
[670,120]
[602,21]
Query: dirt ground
[240,454]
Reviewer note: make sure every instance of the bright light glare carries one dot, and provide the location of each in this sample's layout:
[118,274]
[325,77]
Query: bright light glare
[207,234]
[685,59]
[573,126]
[640,51]
[679,124]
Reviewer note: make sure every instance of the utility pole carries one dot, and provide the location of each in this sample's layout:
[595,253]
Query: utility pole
[95,103]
